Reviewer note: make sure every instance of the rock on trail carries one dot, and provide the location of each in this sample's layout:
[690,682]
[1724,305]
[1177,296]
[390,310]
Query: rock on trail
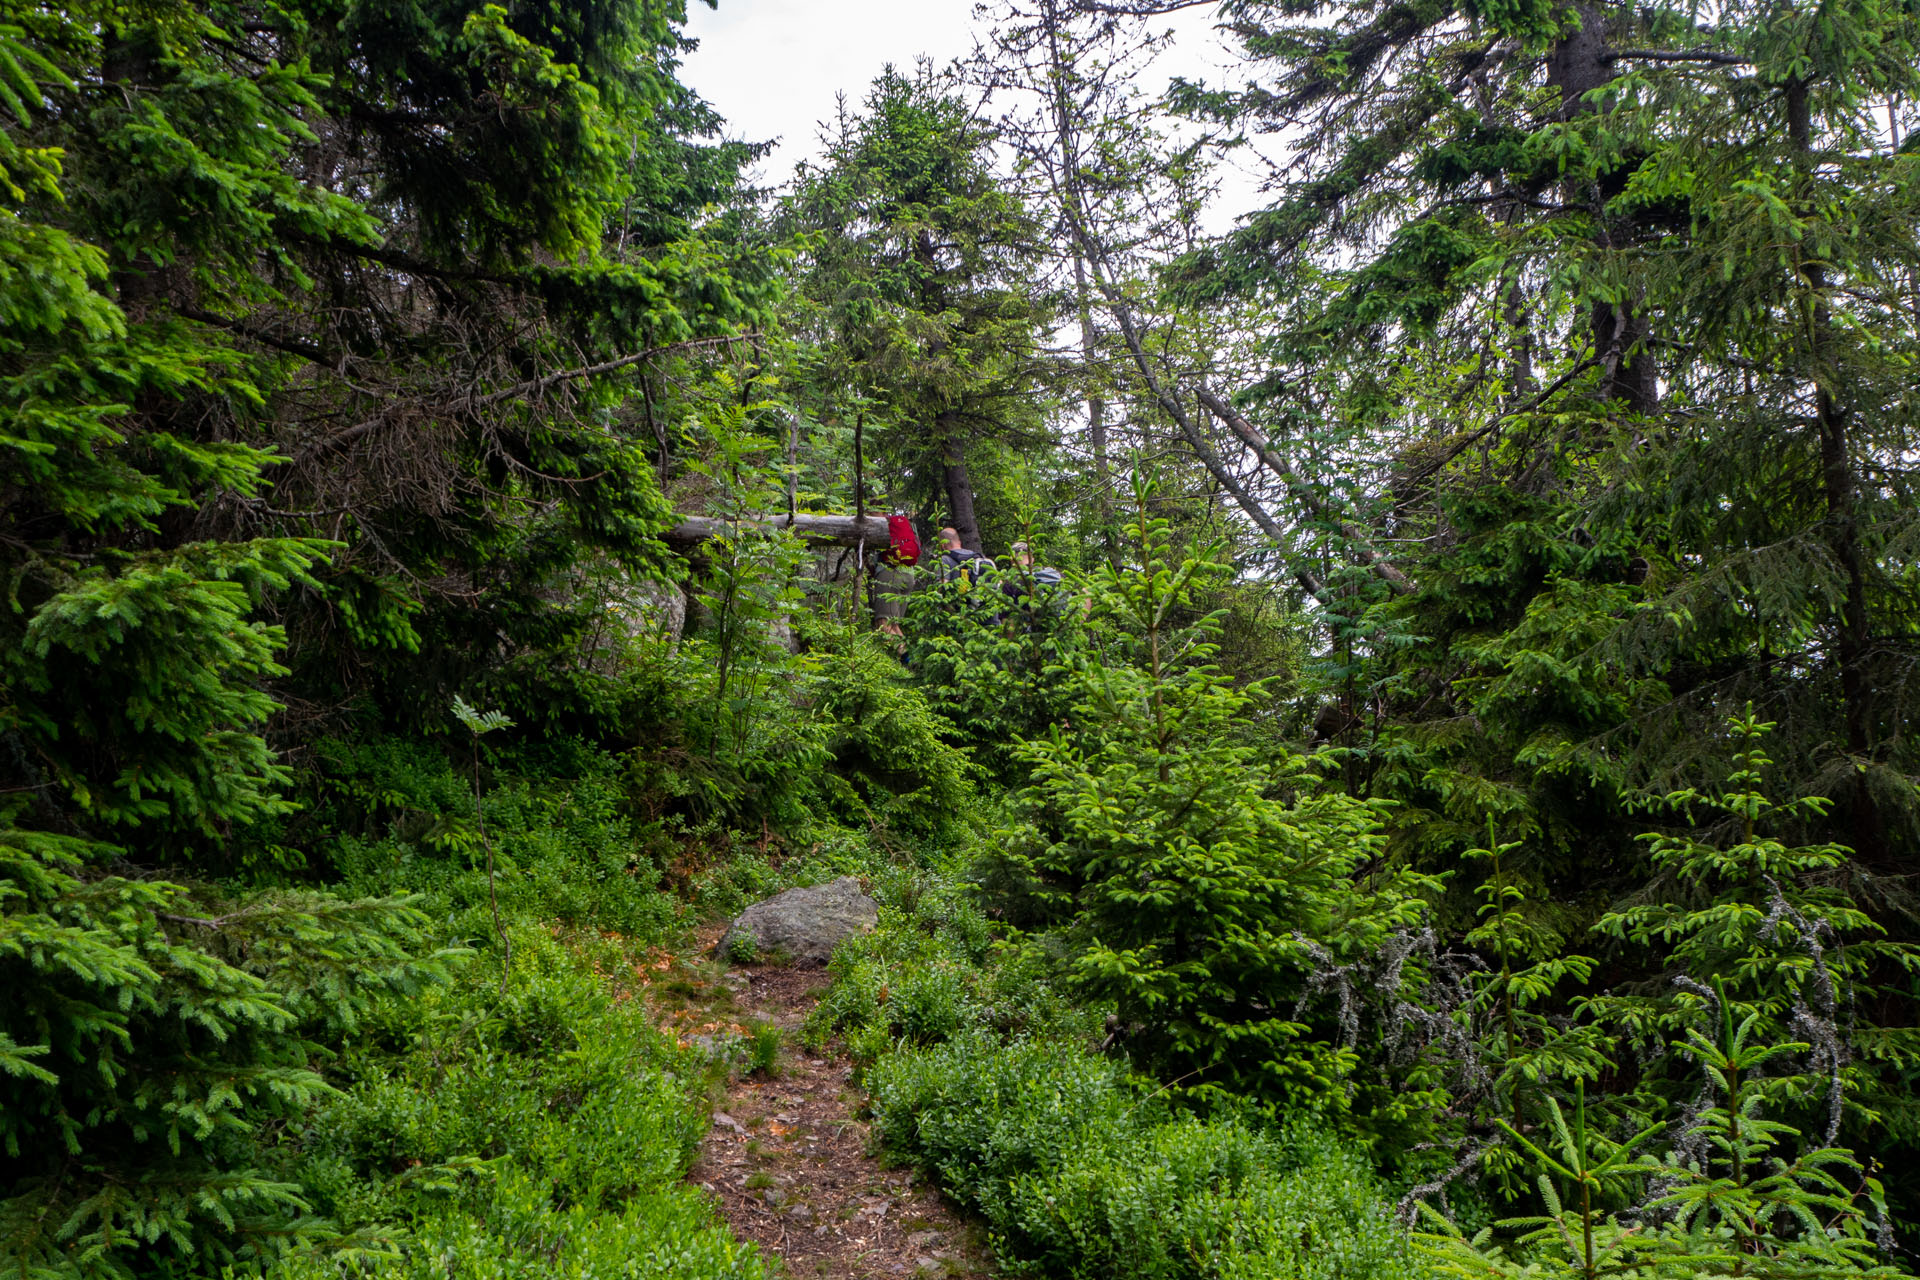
[801,926]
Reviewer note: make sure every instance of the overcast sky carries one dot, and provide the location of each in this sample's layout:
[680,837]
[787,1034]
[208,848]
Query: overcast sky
[772,67]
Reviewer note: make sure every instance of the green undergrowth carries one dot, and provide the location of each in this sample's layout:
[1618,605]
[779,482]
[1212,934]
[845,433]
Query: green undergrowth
[1081,1173]
[567,848]
[527,1117]
[544,1129]
[570,848]
[984,1074]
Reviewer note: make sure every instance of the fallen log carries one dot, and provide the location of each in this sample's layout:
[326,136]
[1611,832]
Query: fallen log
[815,531]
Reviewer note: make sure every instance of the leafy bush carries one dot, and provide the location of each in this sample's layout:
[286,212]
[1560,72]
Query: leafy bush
[893,764]
[1078,1170]
[398,812]
[1081,1174]
[997,672]
[518,1229]
[932,969]
[523,1126]
[799,741]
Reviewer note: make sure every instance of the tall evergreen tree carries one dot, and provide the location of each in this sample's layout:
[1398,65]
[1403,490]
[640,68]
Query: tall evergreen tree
[920,283]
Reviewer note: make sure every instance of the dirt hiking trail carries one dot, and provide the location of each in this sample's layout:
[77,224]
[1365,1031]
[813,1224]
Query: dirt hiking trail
[787,1160]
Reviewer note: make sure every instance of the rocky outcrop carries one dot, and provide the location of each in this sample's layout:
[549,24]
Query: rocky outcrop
[800,926]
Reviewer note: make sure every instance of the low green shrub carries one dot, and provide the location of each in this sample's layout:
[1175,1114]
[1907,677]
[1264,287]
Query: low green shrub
[980,1114]
[934,968]
[538,1124]
[981,1073]
[1080,1174]
[516,1230]
[567,849]
[892,766]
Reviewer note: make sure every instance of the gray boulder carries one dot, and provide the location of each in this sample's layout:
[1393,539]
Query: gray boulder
[801,926]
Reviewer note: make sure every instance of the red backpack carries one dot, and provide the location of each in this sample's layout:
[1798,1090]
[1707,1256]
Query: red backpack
[906,544]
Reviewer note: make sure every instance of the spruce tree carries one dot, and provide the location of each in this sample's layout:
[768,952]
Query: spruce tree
[1201,884]
[920,295]
[1612,311]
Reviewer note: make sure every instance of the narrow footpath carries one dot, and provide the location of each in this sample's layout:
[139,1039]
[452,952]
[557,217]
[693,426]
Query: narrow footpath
[787,1160]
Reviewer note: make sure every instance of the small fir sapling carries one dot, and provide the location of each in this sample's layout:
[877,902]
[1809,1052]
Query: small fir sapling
[1199,882]
[479,723]
[1721,1201]
[1774,922]
[1524,1044]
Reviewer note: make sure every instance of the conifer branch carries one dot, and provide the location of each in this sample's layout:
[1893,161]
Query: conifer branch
[1472,438]
[535,386]
[1303,493]
[532,386]
[1145,10]
[1678,55]
[291,346]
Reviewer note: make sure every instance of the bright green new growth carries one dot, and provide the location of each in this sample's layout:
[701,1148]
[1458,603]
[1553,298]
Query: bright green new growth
[151,1031]
[1528,1045]
[478,723]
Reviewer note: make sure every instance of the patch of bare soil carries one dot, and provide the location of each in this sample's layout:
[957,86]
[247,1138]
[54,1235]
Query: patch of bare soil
[787,1160]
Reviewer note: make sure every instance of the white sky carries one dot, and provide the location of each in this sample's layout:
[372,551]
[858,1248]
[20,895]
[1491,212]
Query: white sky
[772,67]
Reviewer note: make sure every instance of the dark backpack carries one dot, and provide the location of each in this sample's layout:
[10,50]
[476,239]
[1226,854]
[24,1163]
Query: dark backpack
[1039,583]
[963,569]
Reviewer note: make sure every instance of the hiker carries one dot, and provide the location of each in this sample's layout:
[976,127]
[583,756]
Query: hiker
[1025,583]
[957,566]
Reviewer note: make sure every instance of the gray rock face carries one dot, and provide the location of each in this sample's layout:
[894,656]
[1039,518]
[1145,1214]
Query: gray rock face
[801,925]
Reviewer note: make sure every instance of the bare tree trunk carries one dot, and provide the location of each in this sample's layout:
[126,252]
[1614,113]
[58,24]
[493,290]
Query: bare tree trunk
[1520,381]
[859,504]
[1841,489]
[1303,493]
[953,466]
[793,464]
[1169,400]
[1096,413]
[1210,459]
[815,531]
[1075,207]
[1581,63]
[1092,269]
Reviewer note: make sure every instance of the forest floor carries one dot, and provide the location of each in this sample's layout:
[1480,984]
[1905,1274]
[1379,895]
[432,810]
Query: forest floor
[789,1161]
